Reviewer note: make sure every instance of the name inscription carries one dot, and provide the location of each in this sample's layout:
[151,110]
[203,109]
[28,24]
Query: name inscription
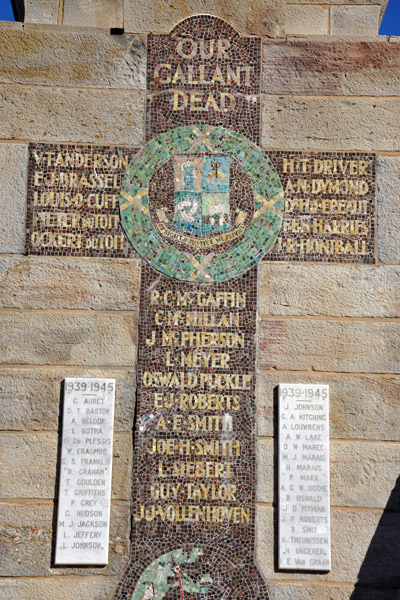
[304,495]
[85,477]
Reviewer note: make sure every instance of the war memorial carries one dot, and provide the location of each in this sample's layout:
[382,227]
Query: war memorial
[200,275]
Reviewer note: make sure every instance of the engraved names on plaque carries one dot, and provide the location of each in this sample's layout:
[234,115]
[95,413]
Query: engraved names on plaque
[85,477]
[304,524]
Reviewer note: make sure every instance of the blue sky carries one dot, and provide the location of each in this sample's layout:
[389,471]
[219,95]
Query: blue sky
[6,12]
[391,21]
[390,24]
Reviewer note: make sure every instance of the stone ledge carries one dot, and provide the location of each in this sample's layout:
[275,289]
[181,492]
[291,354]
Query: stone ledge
[340,346]
[72,57]
[68,339]
[30,399]
[356,124]
[83,588]
[53,282]
[327,67]
[329,290]
[70,115]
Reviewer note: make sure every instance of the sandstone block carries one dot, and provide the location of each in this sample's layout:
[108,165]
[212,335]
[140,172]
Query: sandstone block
[13,178]
[307,20]
[94,13]
[364,548]
[29,465]
[103,117]
[68,339]
[30,398]
[73,58]
[361,407]
[338,346]
[28,533]
[327,68]
[264,18]
[83,588]
[363,474]
[72,283]
[10,25]
[41,11]
[329,290]
[388,208]
[365,124]
[354,20]
[299,591]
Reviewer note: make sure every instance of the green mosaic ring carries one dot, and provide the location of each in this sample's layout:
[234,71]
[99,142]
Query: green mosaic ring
[201,267]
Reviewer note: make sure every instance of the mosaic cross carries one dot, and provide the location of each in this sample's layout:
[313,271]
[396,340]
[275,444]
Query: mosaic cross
[201,204]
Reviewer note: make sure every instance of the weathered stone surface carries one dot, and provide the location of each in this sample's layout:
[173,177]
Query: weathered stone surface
[68,339]
[364,547]
[335,123]
[307,20]
[28,532]
[33,457]
[30,398]
[83,588]
[10,25]
[72,283]
[388,208]
[382,10]
[90,58]
[330,290]
[303,344]
[363,474]
[299,591]
[331,68]
[41,11]
[267,475]
[103,117]
[94,13]
[354,20]
[13,178]
[360,407]
[266,18]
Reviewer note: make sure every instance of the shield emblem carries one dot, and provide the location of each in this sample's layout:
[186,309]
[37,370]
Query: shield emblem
[201,194]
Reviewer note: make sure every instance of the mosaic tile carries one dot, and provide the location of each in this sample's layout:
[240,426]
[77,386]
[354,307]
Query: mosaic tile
[329,212]
[201,203]
[193,502]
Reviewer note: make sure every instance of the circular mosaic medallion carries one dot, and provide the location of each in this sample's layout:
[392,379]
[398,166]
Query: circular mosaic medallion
[201,203]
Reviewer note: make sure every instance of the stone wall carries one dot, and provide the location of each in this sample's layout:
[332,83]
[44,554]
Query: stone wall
[64,78]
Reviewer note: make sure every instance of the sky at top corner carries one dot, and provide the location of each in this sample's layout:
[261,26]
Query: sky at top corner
[390,24]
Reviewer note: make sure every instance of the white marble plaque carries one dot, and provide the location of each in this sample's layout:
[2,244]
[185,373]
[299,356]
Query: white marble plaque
[304,503]
[85,477]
